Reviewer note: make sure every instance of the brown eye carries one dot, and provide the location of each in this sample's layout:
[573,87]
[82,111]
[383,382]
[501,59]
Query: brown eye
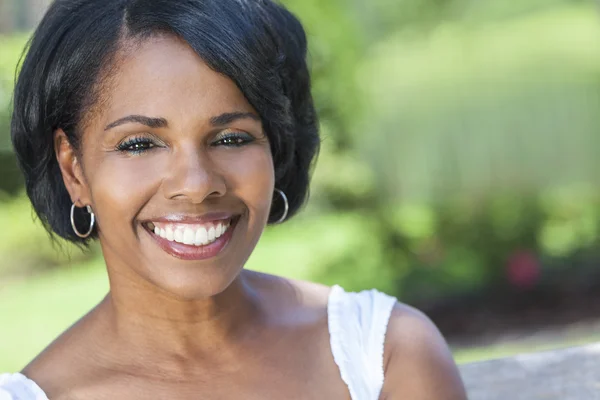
[136,145]
[234,140]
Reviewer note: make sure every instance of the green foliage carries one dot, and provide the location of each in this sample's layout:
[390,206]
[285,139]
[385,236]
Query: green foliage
[25,246]
[418,17]
[335,48]
[10,51]
[571,220]
[472,110]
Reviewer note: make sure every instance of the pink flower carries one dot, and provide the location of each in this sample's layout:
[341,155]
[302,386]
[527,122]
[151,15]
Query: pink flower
[523,269]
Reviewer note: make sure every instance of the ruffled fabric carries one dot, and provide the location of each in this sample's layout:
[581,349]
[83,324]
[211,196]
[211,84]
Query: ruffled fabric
[18,387]
[357,328]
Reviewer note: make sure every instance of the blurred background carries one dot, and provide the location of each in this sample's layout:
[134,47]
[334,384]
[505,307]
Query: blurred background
[459,172]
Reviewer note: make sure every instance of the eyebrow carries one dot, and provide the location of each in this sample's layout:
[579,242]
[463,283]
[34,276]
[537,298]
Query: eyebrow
[223,119]
[228,118]
[140,119]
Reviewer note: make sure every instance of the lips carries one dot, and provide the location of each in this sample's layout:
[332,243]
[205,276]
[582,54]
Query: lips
[191,240]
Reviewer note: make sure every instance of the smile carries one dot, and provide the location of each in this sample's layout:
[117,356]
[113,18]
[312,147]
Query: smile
[192,241]
[191,234]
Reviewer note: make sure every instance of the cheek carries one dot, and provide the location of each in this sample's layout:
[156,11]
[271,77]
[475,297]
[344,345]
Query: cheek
[250,176]
[121,186]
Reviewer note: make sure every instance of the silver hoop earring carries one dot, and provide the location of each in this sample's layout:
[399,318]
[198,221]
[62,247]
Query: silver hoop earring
[93,220]
[286,207]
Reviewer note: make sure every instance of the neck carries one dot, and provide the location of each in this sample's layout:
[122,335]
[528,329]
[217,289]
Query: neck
[151,324]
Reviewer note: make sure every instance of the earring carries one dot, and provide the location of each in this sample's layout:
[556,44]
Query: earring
[286,207]
[93,219]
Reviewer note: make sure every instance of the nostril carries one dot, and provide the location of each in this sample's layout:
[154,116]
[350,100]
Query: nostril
[193,183]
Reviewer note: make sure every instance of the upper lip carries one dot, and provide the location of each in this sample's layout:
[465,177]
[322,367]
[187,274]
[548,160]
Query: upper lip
[195,219]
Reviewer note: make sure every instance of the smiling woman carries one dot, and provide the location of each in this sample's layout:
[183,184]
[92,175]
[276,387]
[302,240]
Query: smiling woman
[173,132]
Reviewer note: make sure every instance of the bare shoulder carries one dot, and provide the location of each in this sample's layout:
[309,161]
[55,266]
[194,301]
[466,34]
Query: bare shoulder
[418,362]
[53,370]
[291,291]
[49,370]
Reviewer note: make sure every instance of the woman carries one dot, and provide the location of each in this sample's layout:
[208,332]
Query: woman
[173,132]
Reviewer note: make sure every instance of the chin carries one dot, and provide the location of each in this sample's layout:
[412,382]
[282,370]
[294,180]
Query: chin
[191,283]
[195,275]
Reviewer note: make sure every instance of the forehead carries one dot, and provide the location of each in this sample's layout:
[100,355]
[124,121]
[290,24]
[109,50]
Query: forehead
[164,77]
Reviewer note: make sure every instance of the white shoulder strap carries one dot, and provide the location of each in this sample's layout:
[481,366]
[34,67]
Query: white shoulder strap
[357,327]
[18,387]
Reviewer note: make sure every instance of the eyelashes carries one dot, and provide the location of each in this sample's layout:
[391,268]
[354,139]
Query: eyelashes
[141,144]
[136,145]
[235,139]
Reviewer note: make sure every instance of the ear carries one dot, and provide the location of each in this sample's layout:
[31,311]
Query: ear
[70,167]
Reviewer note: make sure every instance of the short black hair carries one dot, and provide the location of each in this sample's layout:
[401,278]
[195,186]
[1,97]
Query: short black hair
[258,44]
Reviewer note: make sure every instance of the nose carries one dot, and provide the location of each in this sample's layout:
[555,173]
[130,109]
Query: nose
[193,176]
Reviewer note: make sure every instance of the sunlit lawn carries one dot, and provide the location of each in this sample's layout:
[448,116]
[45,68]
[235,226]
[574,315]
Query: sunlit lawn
[34,311]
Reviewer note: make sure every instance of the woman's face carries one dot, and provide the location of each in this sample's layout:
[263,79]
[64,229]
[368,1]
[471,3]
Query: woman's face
[175,153]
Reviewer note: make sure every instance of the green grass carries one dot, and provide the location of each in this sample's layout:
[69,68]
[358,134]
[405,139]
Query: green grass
[34,311]
[467,355]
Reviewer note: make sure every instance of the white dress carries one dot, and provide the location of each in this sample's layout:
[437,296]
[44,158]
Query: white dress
[357,327]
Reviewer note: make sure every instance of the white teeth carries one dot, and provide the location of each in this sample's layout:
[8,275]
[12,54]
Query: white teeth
[189,236]
[194,235]
[178,235]
[201,237]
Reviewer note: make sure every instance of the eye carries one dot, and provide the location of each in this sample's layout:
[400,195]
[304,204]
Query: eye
[136,145]
[236,139]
